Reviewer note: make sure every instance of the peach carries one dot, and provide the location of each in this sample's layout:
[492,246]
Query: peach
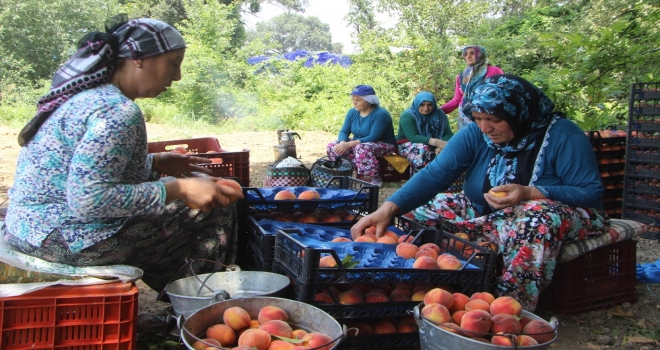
[361,328]
[433,246]
[405,239]
[485,296]
[540,330]
[254,324]
[341,239]
[476,323]
[298,333]
[524,340]
[458,244]
[333,290]
[277,327]
[481,339]
[331,218]
[179,149]
[418,296]
[323,297]
[222,333]
[372,236]
[477,304]
[365,238]
[205,343]
[444,256]
[505,305]
[386,287]
[309,194]
[236,317]
[425,262]
[256,338]
[377,290]
[524,321]
[309,219]
[362,288]
[450,264]
[440,296]
[437,313]
[452,327]
[501,340]
[280,345]
[386,240]
[457,316]
[372,297]
[406,327]
[460,300]
[370,230]
[243,347]
[319,341]
[504,323]
[285,195]
[350,297]
[384,327]
[392,234]
[426,252]
[238,190]
[402,291]
[269,313]
[500,194]
[406,250]
[327,261]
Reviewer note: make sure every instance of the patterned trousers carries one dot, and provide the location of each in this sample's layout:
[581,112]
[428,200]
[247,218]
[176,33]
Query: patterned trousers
[364,156]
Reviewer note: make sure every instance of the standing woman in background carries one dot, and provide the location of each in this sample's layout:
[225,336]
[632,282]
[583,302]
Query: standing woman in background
[478,68]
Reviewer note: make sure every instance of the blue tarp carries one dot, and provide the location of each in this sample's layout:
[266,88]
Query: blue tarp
[311,58]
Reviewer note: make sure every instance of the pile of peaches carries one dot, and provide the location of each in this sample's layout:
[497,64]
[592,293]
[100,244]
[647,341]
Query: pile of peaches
[484,318]
[316,217]
[359,293]
[270,331]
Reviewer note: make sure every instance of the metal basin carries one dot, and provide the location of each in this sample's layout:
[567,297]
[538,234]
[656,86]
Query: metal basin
[301,315]
[190,294]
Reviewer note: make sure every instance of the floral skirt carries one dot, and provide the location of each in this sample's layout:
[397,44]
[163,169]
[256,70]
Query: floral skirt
[364,156]
[159,244]
[418,154]
[529,236]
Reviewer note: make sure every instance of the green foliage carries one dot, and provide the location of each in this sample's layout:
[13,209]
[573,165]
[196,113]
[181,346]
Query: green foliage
[290,31]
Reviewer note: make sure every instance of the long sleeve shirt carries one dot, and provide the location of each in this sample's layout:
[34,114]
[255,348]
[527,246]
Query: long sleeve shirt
[377,126]
[567,170]
[458,92]
[85,172]
[408,130]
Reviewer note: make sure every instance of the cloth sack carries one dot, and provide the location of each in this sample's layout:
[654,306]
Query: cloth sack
[325,168]
[277,176]
[399,163]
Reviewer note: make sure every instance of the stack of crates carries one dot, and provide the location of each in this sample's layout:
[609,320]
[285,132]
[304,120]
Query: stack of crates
[379,270]
[642,190]
[610,149]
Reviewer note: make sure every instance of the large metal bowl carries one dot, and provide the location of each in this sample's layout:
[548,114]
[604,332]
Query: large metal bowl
[190,294]
[301,315]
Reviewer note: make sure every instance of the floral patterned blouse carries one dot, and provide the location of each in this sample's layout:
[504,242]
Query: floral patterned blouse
[85,173]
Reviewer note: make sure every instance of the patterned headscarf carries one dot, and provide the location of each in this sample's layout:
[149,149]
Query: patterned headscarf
[529,113]
[473,75]
[432,124]
[92,65]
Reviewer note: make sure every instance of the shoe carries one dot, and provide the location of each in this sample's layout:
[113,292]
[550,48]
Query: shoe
[376,180]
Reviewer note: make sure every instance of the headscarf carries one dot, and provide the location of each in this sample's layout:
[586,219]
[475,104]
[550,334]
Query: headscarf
[92,65]
[432,124]
[473,75]
[529,113]
[367,93]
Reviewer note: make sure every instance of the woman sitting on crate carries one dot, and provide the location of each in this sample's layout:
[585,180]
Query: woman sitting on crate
[423,131]
[373,134]
[87,193]
[532,183]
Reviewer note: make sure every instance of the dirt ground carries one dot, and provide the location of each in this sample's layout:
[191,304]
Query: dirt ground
[630,326]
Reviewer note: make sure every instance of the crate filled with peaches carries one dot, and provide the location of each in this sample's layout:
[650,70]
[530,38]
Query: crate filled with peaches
[610,149]
[642,190]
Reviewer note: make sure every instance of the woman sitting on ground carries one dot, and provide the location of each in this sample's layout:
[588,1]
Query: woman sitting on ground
[532,183]
[86,193]
[423,131]
[373,134]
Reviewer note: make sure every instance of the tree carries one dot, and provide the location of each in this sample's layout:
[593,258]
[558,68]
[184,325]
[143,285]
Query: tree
[289,32]
[361,15]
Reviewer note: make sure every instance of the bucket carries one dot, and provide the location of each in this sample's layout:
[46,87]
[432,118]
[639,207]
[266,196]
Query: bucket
[432,337]
[190,294]
[301,315]
[283,151]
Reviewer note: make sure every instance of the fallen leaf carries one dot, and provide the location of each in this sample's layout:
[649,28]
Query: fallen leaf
[618,311]
[642,324]
[641,340]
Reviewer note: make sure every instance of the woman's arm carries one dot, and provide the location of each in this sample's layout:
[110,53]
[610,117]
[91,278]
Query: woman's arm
[492,70]
[381,123]
[345,128]
[409,128]
[454,102]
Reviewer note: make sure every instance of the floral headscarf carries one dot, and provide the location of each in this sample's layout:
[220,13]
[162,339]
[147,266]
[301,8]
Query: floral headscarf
[432,124]
[95,61]
[529,113]
[473,75]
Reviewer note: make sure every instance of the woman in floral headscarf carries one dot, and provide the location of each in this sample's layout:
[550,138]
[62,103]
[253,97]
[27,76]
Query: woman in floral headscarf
[423,131]
[532,183]
[86,193]
[478,68]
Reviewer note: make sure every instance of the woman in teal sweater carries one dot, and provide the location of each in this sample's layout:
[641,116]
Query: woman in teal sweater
[423,129]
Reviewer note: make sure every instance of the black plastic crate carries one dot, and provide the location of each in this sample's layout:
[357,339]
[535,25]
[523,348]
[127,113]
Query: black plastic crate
[303,263]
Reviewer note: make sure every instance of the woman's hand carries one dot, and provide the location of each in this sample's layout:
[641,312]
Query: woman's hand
[344,146]
[178,165]
[510,195]
[438,144]
[381,218]
[201,193]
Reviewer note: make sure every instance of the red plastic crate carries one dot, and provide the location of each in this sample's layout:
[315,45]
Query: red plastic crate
[389,174]
[599,279]
[96,317]
[234,163]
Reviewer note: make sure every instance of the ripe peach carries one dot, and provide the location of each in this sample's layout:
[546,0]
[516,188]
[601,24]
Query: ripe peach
[285,195]
[433,246]
[452,327]
[426,252]
[458,244]
[280,345]
[386,240]
[268,313]
[309,194]
[384,327]
[298,333]
[401,290]
[370,230]
[450,264]
[457,316]
[540,330]
[309,219]
[350,297]
[327,261]
[425,262]
[361,328]
[477,304]
[419,296]
[372,236]
[372,297]
[254,324]
[277,327]
[406,327]
[476,323]
[323,297]
[236,317]
[485,296]
[500,194]
[256,338]
[406,250]
[524,321]
[243,347]
[440,296]
[444,256]
[524,340]
[238,190]
[405,238]
[179,149]
[460,300]
[391,234]
[505,305]
[501,340]
[341,239]
[205,343]
[437,313]
[316,340]
[222,333]
[504,323]
[365,238]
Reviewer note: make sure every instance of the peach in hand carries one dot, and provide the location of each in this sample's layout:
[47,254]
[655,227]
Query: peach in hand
[498,193]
